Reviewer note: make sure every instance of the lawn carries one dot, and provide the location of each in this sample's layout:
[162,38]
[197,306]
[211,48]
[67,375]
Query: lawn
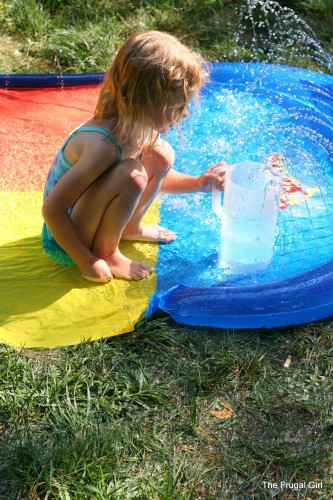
[168,411]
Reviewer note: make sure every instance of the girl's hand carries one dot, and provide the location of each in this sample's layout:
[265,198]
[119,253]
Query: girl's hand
[209,178]
[98,271]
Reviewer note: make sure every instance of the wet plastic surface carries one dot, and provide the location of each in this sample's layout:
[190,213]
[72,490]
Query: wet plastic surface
[247,112]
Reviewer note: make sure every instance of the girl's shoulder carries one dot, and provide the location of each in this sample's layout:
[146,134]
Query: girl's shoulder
[94,136]
[97,126]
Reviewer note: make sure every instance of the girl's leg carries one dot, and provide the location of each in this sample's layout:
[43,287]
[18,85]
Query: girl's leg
[157,161]
[103,211]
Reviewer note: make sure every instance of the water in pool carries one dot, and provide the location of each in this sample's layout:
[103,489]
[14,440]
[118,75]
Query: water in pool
[275,112]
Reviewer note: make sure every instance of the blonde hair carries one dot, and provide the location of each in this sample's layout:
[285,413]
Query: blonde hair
[150,70]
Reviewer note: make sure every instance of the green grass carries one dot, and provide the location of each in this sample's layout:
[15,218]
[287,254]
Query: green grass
[133,417]
[83,35]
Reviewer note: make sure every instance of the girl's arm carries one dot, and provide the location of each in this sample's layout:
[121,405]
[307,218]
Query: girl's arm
[176,182]
[96,157]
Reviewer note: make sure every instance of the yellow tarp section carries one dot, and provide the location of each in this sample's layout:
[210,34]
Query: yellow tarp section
[43,304]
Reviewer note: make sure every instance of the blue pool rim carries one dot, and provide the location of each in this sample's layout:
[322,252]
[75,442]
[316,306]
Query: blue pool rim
[221,72]
[301,299]
[42,81]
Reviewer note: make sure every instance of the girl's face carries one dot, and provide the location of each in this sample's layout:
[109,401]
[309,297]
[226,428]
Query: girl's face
[174,114]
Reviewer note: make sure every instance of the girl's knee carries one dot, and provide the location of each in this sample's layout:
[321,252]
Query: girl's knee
[136,174]
[164,151]
[139,179]
[167,154]
[161,155]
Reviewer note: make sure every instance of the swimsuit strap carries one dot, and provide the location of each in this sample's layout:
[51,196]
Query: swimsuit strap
[101,131]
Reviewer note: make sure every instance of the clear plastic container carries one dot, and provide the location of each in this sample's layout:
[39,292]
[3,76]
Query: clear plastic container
[249,215]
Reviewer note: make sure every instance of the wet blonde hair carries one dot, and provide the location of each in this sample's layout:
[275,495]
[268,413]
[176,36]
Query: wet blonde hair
[151,71]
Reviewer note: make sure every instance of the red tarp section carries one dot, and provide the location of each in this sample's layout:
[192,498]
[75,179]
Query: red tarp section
[33,125]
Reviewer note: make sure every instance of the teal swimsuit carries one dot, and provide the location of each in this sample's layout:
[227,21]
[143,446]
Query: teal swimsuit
[58,168]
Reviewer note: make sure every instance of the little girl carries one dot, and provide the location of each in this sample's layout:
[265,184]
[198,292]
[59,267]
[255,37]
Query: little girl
[110,169]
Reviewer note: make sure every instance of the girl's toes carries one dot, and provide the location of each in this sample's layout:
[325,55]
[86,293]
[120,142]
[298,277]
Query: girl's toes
[143,273]
[166,235]
[147,268]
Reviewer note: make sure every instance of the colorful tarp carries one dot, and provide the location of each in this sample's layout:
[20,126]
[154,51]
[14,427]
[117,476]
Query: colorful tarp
[43,304]
[248,111]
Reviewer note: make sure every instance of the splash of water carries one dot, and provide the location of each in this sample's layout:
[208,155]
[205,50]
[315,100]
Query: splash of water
[269,32]
[249,112]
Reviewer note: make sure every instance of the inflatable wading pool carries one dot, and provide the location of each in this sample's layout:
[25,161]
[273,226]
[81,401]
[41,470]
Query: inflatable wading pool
[246,112]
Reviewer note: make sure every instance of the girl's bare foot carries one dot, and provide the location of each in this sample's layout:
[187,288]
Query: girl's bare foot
[97,271]
[122,267]
[153,234]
